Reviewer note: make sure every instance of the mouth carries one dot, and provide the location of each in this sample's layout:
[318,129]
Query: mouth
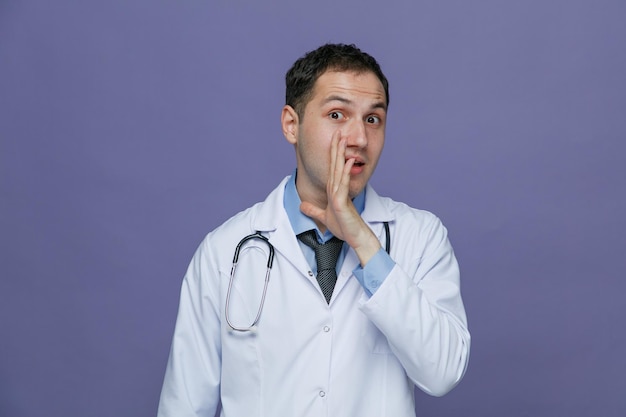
[358,162]
[357,167]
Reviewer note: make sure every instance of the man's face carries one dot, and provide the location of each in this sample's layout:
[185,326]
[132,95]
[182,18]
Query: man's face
[349,102]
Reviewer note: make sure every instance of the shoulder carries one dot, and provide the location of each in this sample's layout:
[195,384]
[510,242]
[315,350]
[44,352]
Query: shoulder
[259,217]
[415,230]
[380,207]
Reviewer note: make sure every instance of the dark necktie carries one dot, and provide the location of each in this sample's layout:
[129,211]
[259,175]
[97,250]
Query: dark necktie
[326,255]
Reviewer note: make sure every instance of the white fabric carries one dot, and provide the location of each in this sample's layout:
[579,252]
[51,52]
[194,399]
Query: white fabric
[356,356]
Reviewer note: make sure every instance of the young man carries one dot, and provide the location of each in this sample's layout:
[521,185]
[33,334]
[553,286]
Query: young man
[351,339]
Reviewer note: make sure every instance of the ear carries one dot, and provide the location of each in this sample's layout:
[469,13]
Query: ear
[289,122]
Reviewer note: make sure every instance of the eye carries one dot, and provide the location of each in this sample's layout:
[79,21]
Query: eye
[336,115]
[373,119]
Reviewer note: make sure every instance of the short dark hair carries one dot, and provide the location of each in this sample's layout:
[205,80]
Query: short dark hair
[301,77]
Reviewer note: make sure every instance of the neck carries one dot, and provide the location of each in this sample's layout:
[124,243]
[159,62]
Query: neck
[318,200]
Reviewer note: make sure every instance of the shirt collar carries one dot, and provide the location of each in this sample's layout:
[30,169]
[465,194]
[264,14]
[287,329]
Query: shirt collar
[301,223]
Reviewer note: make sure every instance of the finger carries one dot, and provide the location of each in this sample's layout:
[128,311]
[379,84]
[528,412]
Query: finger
[345,174]
[314,212]
[344,184]
[332,167]
[340,160]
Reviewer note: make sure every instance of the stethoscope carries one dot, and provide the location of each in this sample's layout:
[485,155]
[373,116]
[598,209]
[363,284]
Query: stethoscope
[270,261]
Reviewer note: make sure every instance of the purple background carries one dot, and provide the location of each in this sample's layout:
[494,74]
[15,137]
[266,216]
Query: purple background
[129,129]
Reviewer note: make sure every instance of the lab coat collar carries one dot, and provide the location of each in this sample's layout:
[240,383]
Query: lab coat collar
[376,211]
[271,212]
[271,220]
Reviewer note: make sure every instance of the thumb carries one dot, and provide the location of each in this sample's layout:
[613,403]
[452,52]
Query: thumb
[312,211]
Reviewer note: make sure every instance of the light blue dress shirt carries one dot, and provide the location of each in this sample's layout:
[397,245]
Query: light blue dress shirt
[371,276]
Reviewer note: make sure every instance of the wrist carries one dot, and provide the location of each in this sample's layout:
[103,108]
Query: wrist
[366,247]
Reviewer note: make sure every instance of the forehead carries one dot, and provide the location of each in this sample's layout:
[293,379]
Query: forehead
[361,86]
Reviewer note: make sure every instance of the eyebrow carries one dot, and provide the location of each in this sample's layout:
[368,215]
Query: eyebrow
[377,105]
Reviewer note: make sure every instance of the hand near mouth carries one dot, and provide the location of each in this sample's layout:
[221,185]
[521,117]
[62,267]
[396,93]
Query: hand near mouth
[340,216]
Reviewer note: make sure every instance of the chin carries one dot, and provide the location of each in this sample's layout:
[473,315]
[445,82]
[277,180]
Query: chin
[355,190]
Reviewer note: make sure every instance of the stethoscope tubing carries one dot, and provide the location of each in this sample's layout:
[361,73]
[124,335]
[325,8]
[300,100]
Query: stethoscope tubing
[270,262]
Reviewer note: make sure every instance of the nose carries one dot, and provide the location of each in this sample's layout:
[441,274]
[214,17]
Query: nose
[357,134]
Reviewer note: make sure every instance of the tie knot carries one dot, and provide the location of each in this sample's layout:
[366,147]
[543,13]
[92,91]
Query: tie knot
[326,254]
